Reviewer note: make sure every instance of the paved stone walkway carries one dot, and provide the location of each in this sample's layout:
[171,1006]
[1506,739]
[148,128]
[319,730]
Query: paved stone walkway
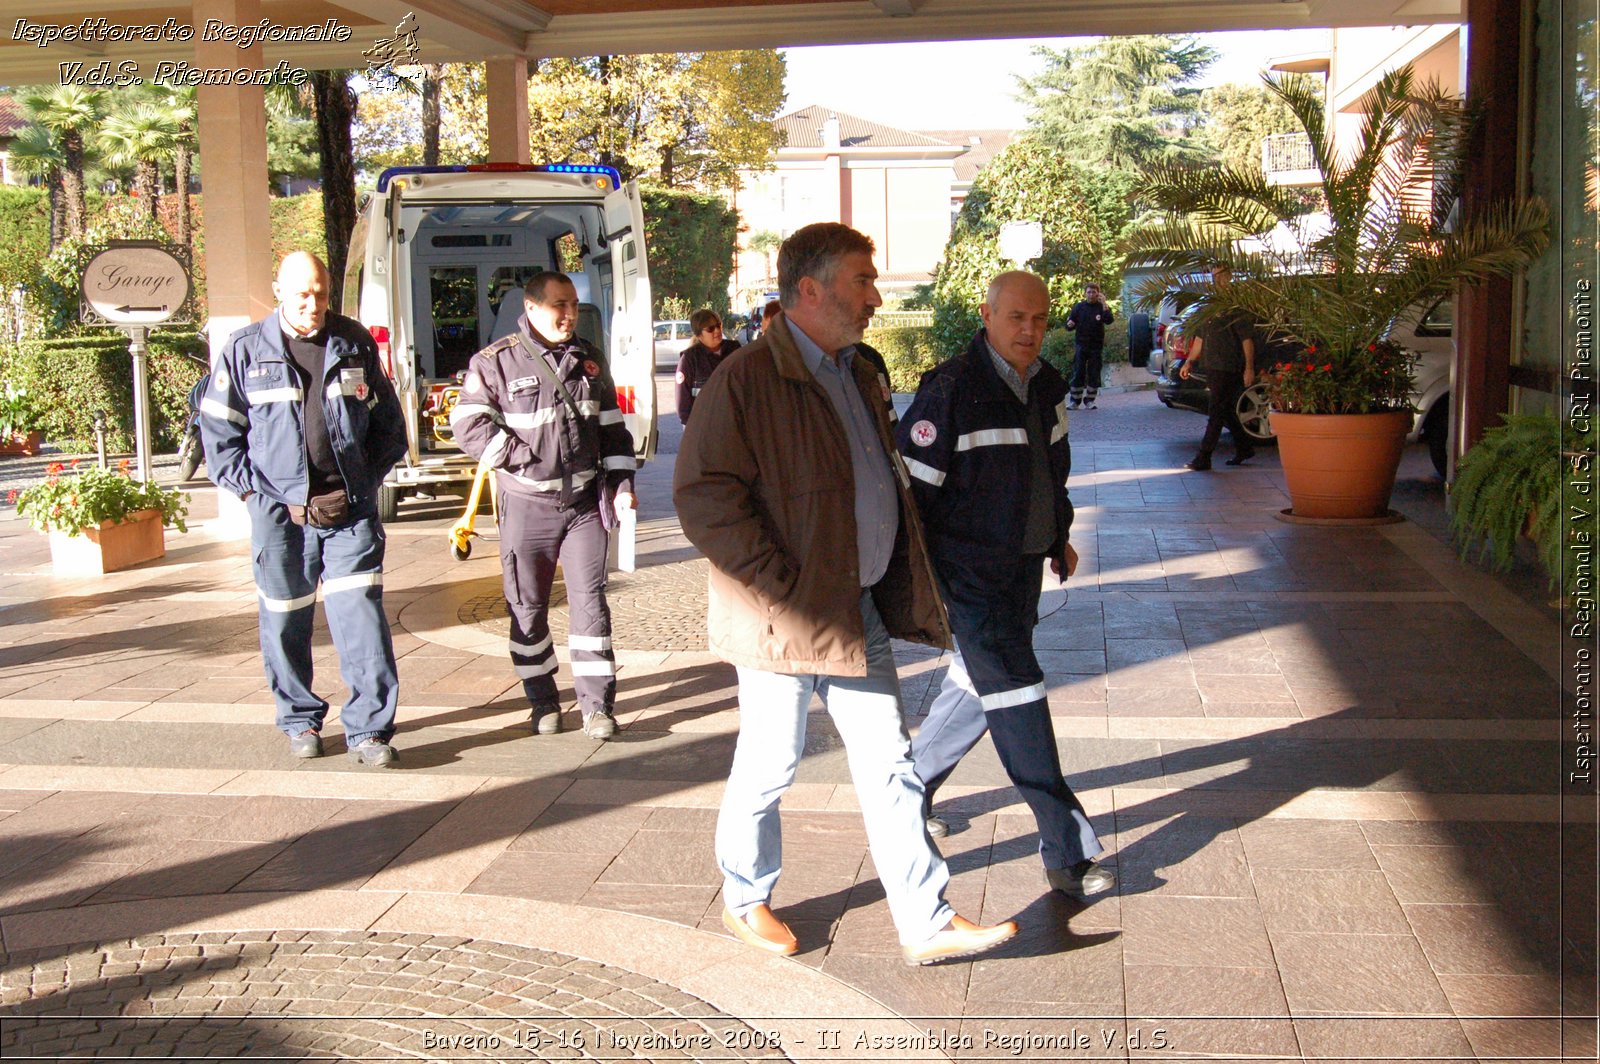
[1325,763]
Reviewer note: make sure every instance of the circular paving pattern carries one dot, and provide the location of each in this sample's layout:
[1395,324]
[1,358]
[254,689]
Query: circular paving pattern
[661,607]
[352,995]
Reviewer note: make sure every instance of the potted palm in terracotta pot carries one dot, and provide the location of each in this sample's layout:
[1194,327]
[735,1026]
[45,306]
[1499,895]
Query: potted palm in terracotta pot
[1326,287]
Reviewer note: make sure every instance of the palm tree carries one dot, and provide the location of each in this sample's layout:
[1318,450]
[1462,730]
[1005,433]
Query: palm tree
[432,75]
[179,103]
[335,103]
[36,152]
[142,133]
[70,114]
[1337,282]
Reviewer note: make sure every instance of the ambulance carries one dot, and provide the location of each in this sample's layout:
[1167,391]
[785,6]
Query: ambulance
[438,258]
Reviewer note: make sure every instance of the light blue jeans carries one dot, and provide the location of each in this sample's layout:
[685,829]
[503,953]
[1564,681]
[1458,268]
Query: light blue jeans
[772,736]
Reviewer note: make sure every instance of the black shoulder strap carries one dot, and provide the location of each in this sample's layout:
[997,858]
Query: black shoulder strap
[542,368]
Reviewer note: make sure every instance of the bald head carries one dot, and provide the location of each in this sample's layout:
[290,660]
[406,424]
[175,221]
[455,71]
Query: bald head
[302,292]
[1015,314]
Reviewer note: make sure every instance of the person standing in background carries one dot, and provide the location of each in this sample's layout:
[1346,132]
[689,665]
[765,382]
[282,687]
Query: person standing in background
[1087,321]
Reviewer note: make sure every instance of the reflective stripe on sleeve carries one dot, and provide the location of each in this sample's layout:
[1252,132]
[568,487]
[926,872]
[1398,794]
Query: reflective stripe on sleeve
[272,605]
[274,395]
[611,417]
[589,408]
[924,473]
[464,410]
[352,582]
[1061,422]
[496,449]
[991,438]
[619,461]
[1020,696]
[220,409]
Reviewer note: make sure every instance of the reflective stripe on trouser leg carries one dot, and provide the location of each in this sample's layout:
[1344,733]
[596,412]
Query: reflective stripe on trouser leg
[286,568]
[994,621]
[583,566]
[531,529]
[352,598]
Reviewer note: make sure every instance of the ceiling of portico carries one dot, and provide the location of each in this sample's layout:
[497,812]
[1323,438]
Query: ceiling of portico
[471,30]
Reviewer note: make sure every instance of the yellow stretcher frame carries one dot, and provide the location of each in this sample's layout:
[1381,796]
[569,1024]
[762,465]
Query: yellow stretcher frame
[462,532]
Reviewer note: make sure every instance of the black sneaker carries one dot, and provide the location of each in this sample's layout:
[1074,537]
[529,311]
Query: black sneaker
[1200,463]
[373,753]
[1081,880]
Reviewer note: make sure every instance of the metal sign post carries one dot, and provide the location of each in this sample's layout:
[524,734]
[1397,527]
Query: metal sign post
[133,285]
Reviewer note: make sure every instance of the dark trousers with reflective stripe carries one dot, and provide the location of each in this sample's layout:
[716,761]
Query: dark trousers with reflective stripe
[535,534]
[289,562]
[995,684]
[1085,384]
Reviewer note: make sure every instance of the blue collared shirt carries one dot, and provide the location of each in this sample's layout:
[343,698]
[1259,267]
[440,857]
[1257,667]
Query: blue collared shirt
[877,503]
[1009,374]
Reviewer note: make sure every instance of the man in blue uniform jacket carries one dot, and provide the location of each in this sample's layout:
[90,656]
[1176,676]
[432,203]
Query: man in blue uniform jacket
[985,441]
[302,424]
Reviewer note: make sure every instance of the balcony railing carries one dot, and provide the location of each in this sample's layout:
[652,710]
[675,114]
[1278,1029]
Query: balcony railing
[1283,152]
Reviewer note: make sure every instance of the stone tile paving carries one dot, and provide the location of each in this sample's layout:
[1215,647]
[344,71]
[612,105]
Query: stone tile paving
[1320,762]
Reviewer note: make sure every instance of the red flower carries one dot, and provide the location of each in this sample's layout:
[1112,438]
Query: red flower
[1372,347]
[53,468]
[76,462]
[1311,350]
[11,496]
[122,466]
[1328,367]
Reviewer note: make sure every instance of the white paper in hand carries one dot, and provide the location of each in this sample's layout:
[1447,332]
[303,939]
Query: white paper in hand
[627,535]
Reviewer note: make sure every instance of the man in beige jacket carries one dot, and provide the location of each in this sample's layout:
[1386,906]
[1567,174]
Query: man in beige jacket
[788,480]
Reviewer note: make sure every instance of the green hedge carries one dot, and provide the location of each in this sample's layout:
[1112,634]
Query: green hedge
[1060,348]
[690,237]
[72,377]
[909,352]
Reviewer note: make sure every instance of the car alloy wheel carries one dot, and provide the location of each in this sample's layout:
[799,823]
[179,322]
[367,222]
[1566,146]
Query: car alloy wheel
[1255,413]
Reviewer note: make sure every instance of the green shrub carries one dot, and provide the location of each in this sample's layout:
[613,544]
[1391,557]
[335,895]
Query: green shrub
[909,352]
[691,238]
[71,377]
[1061,347]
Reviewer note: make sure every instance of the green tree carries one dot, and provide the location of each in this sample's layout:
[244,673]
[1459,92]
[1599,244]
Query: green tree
[335,102]
[291,135]
[179,102]
[1237,118]
[35,152]
[1124,102]
[688,120]
[70,114]
[141,133]
[388,131]
[766,242]
[1083,212]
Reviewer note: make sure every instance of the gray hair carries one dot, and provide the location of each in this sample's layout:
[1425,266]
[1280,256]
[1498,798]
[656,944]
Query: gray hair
[814,251]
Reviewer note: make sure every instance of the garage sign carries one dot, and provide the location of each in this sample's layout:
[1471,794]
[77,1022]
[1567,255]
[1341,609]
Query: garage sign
[135,282]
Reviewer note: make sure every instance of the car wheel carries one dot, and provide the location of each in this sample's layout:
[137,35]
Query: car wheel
[1255,414]
[1436,430]
[389,502]
[1141,340]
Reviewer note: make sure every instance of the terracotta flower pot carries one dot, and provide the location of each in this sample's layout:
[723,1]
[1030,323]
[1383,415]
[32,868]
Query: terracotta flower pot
[1340,466]
[23,443]
[111,546]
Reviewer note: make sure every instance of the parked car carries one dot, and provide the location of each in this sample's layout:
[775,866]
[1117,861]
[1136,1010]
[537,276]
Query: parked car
[671,338]
[1430,336]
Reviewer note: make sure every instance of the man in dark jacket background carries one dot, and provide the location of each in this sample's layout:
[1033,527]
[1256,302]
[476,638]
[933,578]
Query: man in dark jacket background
[985,441]
[787,479]
[301,423]
[1087,321]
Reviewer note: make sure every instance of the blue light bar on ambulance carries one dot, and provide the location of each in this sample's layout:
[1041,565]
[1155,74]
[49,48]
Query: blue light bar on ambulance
[503,168]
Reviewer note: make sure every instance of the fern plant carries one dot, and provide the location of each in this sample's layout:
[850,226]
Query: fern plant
[1511,483]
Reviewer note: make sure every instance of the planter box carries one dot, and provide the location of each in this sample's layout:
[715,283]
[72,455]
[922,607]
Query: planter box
[110,547]
[28,443]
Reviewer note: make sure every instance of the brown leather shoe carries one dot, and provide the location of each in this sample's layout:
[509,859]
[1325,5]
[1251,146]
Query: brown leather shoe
[761,929]
[961,939]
